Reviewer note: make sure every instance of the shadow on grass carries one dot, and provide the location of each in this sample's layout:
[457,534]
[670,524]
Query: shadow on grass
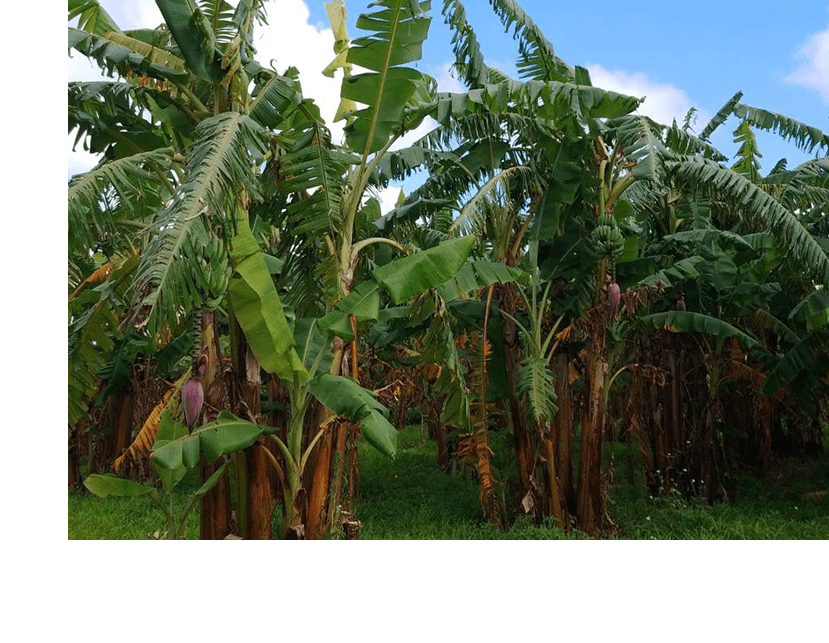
[411,499]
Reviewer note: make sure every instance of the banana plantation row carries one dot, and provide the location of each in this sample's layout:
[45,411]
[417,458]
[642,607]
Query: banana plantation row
[569,273]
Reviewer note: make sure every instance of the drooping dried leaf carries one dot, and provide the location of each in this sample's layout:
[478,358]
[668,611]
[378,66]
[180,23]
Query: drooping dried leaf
[100,274]
[143,443]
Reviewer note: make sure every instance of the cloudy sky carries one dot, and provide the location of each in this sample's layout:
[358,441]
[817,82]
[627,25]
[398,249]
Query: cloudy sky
[678,56]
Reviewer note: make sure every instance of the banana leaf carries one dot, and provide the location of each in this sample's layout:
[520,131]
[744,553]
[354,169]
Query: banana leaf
[397,31]
[708,236]
[174,451]
[258,309]
[363,302]
[680,321]
[409,276]
[813,309]
[802,367]
[106,485]
[179,451]
[194,36]
[479,274]
[228,434]
[412,275]
[347,398]
[536,380]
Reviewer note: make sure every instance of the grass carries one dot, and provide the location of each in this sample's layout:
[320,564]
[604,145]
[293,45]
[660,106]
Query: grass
[411,498]
[93,518]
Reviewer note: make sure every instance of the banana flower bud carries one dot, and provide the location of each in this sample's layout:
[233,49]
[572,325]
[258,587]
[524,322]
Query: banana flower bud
[192,393]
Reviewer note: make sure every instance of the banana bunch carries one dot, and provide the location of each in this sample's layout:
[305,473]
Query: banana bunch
[214,272]
[608,238]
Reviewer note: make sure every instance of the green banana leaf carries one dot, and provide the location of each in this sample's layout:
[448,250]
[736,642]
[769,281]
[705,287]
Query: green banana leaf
[379,433]
[398,29]
[228,434]
[274,98]
[719,271]
[708,236]
[194,36]
[680,321]
[570,106]
[671,277]
[313,344]
[801,367]
[772,323]
[813,309]
[258,309]
[409,211]
[409,276]
[104,485]
[93,17]
[478,274]
[406,277]
[174,450]
[110,53]
[363,302]
[536,380]
[347,398]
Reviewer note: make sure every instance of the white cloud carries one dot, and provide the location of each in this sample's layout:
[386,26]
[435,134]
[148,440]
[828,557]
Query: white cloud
[663,102]
[417,133]
[79,160]
[127,15]
[388,198]
[813,71]
[289,40]
[447,82]
[81,69]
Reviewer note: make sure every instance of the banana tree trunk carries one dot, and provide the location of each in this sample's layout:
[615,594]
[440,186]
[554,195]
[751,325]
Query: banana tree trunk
[340,460]
[261,496]
[524,454]
[114,426]
[764,415]
[554,505]
[342,430]
[315,522]
[438,431]
[590,506]
[75,478]
[256,489]
[563,433]
[123,428]
[215,514]
[319,477]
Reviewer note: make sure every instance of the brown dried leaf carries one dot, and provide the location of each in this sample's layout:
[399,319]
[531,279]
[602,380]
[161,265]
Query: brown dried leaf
[143,443]
[527,503]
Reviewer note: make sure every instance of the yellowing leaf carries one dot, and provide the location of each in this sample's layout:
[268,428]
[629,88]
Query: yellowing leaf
[143,443]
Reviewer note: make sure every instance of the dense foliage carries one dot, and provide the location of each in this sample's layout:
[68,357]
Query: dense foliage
[570,275]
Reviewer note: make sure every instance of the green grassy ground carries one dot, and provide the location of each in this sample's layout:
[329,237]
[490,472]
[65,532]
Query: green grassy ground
[411,498]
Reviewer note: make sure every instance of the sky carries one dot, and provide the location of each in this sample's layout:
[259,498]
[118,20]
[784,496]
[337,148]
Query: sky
[677,56]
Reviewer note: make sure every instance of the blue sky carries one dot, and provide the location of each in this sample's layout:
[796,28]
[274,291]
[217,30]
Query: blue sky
[677,55]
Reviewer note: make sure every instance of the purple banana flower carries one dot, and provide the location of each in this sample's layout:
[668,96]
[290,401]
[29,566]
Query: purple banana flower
[192,393]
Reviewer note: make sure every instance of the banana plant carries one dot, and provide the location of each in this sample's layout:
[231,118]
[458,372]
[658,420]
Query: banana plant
[175,452]
[345,398]
[259,312]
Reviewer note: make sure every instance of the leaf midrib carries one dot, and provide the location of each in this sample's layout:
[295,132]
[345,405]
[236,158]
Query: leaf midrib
[381,87]
[212,170]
